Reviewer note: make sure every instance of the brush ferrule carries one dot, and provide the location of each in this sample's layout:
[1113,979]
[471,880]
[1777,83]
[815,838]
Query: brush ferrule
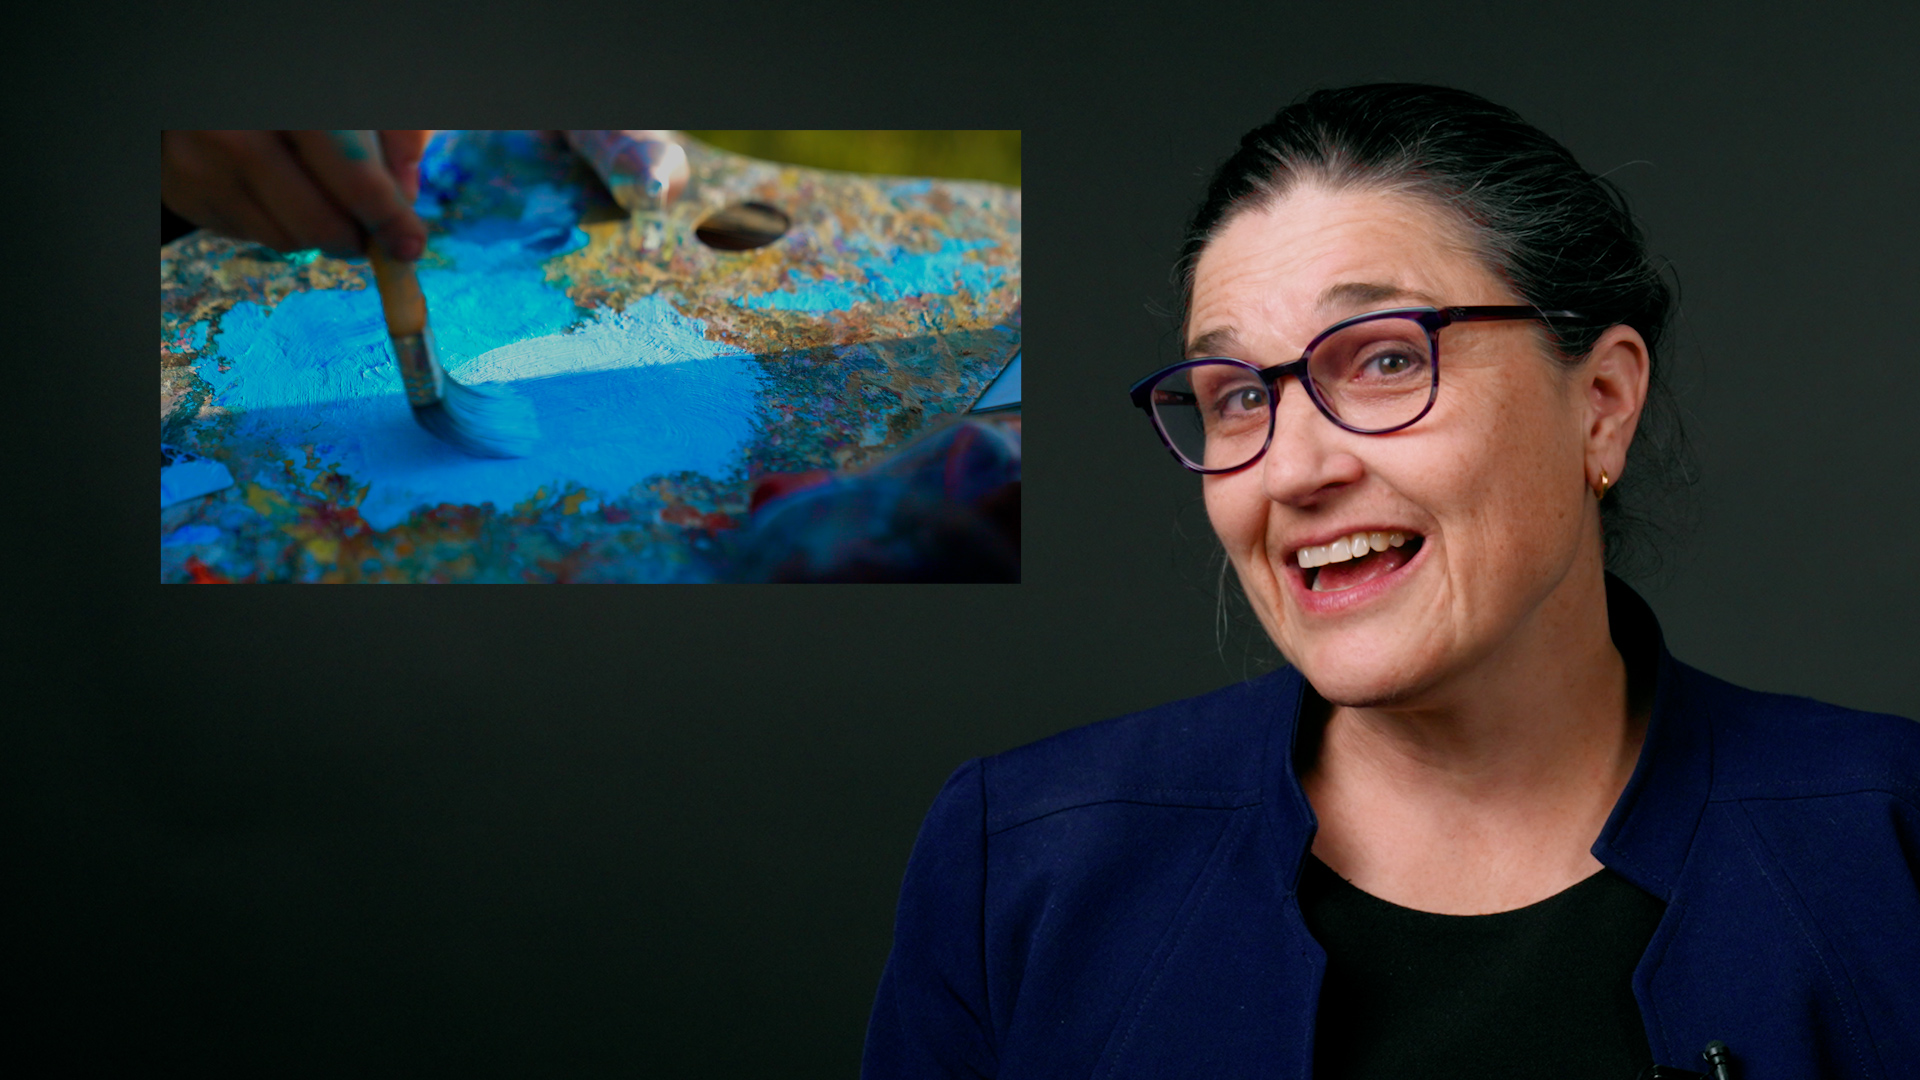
[420,369]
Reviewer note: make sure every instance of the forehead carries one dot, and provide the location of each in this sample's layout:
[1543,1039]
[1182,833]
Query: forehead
[1274,277]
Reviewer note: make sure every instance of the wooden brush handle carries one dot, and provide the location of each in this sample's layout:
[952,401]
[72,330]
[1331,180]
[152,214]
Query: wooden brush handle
[400,296]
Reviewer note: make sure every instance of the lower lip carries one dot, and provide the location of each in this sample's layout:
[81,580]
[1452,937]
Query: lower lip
[1336,603]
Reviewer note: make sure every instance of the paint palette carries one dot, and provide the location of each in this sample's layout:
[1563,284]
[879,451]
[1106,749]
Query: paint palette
[669,375]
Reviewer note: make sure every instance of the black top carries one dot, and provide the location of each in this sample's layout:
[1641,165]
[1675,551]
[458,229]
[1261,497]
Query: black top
[1541,991]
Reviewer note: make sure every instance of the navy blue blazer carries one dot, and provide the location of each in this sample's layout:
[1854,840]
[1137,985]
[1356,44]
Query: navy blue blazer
[1118,900]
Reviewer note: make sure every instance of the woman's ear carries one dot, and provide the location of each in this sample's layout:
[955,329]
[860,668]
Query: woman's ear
[1613,387]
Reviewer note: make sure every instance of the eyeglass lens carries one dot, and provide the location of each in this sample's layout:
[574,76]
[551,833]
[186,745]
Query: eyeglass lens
[1371,376]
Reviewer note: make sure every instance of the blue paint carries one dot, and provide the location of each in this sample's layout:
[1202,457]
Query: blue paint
[494,294]
[549,205]
[813,297]
[330,345]
[192,478]
[315,347]
[890,278]
[621,398]
[441,173]
[191,534]
[546,228]
[302,258]
[933,273]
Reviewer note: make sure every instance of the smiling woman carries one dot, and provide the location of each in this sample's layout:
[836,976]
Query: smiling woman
[1482,812]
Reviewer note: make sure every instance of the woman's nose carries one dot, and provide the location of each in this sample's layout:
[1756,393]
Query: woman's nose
[1306,458]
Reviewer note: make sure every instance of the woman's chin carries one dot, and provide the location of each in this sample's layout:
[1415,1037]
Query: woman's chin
[1355,677]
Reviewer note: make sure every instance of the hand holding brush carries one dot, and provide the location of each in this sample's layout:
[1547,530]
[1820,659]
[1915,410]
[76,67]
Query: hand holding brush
[486,420]
[294,190]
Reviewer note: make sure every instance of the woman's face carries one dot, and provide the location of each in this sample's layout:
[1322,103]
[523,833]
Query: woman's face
[1490,489]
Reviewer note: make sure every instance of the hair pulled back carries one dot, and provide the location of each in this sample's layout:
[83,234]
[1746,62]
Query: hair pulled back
[1560,236]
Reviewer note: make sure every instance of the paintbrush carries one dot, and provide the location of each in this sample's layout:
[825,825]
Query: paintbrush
[486,420]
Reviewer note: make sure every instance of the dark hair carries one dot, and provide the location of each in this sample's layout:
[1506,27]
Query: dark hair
[1562,237]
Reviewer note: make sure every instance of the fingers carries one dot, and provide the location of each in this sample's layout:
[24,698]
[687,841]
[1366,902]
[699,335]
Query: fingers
[214,179]
[242,216]
[292,191]
[403,151]
[199,181]
[352,175]
[287,193]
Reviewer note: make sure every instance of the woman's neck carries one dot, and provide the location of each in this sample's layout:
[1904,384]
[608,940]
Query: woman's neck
[1483,794]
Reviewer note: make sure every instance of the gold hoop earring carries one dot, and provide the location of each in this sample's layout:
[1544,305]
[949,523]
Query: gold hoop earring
[1601,491]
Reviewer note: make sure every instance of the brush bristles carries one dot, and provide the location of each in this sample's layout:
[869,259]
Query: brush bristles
[487,420]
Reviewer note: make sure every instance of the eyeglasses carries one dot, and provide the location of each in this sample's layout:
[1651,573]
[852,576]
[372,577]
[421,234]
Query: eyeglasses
[1370,374]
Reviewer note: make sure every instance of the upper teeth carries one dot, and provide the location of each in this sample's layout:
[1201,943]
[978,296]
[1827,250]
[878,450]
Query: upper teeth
[1348,547]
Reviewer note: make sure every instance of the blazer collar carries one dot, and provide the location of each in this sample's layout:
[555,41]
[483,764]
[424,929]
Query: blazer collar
[1645,839]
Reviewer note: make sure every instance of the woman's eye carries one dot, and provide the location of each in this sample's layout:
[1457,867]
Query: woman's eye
[1393,363]
[1244,399]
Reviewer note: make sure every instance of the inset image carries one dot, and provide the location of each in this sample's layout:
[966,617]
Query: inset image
[590,356]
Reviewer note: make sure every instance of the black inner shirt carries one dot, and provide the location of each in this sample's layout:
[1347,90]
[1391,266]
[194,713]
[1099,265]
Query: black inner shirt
[1543,990]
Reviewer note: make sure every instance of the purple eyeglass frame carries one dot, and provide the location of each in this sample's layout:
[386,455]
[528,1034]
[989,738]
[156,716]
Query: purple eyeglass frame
[1432,319]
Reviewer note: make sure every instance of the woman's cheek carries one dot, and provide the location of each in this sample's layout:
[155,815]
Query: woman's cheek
[1239,514]
[1236,519]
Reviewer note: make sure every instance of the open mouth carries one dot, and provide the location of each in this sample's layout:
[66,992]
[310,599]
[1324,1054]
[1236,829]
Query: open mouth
[1355,560]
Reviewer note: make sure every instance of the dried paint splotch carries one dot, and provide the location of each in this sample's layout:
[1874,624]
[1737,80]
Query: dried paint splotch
[659,404]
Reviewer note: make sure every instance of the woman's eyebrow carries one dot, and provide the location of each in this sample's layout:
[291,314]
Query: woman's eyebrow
[1222,340]
[1359,293]
[1216,342]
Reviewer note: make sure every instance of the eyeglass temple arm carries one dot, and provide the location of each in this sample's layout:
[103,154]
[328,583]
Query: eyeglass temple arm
[1487,312]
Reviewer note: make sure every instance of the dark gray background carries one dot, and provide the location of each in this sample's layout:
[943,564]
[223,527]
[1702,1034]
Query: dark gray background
[594,832]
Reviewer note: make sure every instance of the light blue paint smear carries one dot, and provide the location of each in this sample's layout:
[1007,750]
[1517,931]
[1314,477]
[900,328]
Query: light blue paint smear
[811,297]
[621,398]
[191,534]
[330,345]
[487,301]
[314,348]
[191,479]
[889,278]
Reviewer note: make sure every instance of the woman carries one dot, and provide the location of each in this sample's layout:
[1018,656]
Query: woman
[1483,824]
